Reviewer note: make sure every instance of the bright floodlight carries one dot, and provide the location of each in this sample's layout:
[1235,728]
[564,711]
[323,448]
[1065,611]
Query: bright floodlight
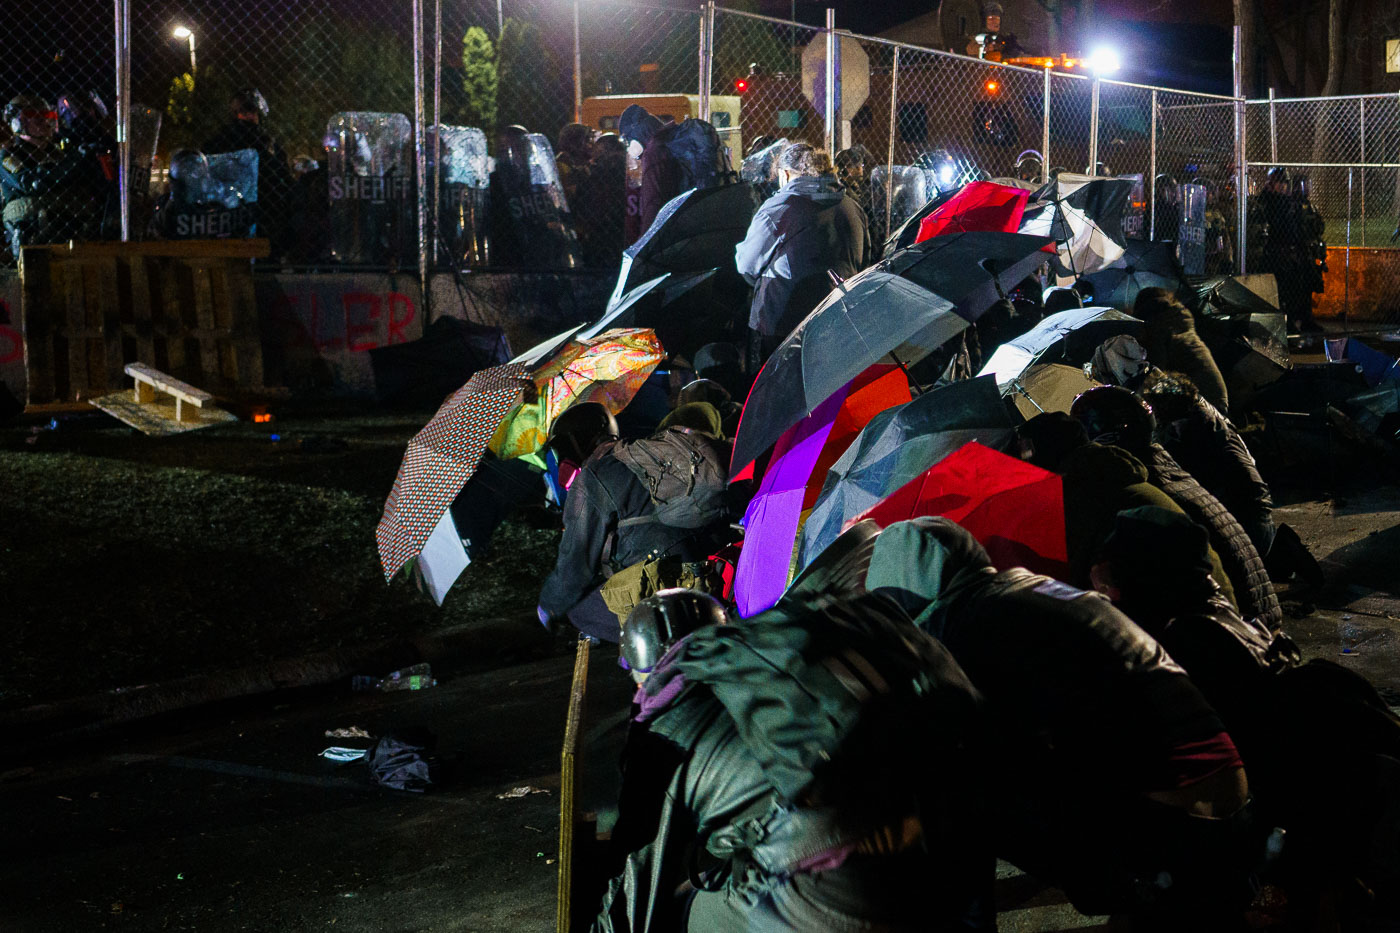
[181,32]
[945,174]
[1104,60]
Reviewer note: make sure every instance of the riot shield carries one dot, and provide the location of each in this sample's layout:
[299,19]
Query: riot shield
[531,226]
[896,194]
[1135,212]
[214,197]
[757,169]
[370,185]
[1191,244]
[465,192]
[144,128]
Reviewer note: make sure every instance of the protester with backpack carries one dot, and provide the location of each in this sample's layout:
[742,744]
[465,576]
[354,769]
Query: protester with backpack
[639,515]
[808,228]
[806,770]
[675,157]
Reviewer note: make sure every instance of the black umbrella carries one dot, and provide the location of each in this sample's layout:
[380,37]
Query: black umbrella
[422,372]
[681,326]
[972,270]
[871,316]
[897,445]
[1068,337]
[1146,264]
[695,231]
[1086,215]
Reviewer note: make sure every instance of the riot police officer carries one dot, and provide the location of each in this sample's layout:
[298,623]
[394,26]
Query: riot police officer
[247,110]
[993,44]
[29,167]
[1292,236]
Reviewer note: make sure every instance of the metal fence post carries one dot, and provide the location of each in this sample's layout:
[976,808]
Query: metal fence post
[1093,127]
[1363,172]
[1151,192]
[122,31]
[1346,274]
[1273,128]
[435,218]
[707,56]
[832,73]
[1045,130]
[578,72]
[1241,190]
[889,163]
[419,148]
[1241,154]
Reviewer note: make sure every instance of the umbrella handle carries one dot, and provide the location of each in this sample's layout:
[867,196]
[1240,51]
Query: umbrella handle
[1016,384]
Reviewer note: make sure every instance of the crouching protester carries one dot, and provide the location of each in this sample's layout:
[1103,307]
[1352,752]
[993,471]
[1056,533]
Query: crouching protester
[1112,777]
[1313,734]
[805,770]
[639,515]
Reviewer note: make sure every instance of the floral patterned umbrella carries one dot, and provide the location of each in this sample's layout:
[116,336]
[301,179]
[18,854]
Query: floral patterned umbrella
[608,369]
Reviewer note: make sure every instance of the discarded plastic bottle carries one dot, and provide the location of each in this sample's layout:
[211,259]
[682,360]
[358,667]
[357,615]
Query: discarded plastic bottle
[417,677]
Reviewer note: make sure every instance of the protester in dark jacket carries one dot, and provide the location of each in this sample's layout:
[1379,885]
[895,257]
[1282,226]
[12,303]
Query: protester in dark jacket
[1282,713]
[1171,342]
[1206,444]
[1113,415]
[662,176]
[741,814]
[808,227]
[604,526]
[1108,756]
[1099,482]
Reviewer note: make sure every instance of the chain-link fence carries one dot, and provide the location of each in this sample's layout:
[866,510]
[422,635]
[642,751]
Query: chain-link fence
[1324,179]
[342,129]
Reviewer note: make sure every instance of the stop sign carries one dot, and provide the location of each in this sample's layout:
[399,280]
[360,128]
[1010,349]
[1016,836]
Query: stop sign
[853,79]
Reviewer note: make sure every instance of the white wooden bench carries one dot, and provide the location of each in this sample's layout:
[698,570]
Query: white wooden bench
[149,381]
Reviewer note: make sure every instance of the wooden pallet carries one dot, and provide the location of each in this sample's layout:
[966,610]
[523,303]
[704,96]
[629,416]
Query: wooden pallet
[185,308]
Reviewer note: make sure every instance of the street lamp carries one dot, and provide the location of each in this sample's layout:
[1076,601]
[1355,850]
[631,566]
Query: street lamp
[184,32]
[1104,60]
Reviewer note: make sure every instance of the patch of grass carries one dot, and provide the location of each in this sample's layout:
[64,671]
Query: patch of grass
[126,559]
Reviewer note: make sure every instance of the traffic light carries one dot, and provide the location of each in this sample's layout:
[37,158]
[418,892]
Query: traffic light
[741,85]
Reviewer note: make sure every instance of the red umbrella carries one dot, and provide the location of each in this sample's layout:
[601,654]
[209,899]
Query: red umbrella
[979,206]
[1015,510]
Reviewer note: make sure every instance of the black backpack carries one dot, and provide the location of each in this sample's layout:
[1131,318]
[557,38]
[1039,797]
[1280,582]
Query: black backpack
[696,146]
[685,472]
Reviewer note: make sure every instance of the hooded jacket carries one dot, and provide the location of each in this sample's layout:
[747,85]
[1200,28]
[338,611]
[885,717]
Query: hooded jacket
[1171,342]
[1254,591]
[1099,482]
[808,227]
[750,759]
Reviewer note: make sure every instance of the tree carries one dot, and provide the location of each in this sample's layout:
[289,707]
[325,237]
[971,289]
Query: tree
[480,80]
[534,90]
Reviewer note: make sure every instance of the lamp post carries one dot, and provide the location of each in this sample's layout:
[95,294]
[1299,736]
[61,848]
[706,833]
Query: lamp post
[1102,61]
[184,32]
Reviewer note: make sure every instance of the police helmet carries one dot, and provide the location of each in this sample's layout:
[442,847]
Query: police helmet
[1278,175]
[1113,415]
[22,104]
[1028,165]
[658,622]
[580,429]
[187,165]
[248,100]
[81,107]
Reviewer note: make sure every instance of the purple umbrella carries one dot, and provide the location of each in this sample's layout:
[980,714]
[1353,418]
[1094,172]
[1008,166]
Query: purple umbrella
[793,480]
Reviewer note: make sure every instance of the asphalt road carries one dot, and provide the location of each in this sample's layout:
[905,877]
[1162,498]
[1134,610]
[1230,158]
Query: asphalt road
[233,822]
[226,819]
